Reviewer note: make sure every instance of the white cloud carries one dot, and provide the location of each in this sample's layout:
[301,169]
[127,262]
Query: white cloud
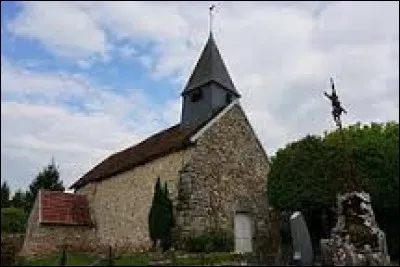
[127,51]
[31,134]
[146,60]
[33,130]
[357,23]
[66,29]
[22,82]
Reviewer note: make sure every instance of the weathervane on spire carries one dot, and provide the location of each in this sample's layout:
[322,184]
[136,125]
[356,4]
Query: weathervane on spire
[211,8]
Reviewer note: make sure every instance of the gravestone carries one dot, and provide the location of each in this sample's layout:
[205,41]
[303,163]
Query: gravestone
[302,248]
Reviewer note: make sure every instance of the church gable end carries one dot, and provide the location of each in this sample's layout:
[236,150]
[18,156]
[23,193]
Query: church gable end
[227,174]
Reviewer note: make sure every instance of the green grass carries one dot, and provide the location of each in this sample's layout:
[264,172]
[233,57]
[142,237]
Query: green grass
[209,259]
[50,260]
[83,259]
[73,259]
[135,259]
[139,259]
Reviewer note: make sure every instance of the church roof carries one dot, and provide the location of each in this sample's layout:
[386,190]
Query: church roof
[157,145]
[210,68]
[59,208]
[160,144]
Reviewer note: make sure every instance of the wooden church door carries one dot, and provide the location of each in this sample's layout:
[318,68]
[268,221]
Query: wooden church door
[243,233]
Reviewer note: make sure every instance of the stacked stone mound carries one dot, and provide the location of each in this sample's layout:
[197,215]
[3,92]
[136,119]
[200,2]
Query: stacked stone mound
[356,240]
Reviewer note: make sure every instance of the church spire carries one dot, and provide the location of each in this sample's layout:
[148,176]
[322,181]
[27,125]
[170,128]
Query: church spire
[209,89]
[210,68]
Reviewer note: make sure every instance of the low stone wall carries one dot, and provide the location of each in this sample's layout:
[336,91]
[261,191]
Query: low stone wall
[48,239]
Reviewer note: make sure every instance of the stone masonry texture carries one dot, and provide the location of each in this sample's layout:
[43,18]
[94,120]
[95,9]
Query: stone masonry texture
[226,174]
[120,205]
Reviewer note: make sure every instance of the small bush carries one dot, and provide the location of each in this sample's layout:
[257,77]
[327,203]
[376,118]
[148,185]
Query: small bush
[221,241]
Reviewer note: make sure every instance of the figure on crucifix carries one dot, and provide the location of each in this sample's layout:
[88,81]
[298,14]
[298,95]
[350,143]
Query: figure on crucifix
[337,108]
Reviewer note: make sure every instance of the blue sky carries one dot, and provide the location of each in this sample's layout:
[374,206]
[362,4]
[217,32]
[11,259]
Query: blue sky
[82,80]
[120,72]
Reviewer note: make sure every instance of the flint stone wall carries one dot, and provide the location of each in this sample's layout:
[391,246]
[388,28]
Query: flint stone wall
[120,205]
[45,239]
[227,173]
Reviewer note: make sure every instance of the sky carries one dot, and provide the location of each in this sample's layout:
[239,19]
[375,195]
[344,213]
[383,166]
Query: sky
[82,80]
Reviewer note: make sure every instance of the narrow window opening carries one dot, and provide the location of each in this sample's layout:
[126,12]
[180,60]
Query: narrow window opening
[228,98]
[196,95]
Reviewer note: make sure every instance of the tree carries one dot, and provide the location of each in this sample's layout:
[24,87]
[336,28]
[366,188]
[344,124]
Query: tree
[304,176]
[18,200]
[161,218]
[155,212]
[375,149]
[48,178]
[5,195]
[168,218]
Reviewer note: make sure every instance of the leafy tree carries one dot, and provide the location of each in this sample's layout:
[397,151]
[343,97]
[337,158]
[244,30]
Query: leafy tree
[48,178]
[18,200]
[5,195]
[304,176]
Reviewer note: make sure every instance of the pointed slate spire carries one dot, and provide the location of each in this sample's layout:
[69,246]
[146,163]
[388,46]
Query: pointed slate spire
[210,68]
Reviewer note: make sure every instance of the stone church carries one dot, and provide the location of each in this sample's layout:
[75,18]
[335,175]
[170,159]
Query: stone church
[212,160]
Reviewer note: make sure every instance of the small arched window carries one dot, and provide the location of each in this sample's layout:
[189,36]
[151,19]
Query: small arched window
[197,94]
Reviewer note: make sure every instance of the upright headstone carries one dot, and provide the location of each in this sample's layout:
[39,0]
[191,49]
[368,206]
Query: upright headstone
[302,248]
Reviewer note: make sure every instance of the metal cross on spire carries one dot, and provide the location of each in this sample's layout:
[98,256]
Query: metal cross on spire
[211,8]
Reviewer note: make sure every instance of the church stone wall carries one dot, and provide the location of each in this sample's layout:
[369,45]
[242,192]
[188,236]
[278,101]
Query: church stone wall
[120,205]
[227,173]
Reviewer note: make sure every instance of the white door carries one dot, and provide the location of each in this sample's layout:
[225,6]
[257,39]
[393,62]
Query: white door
[243,233]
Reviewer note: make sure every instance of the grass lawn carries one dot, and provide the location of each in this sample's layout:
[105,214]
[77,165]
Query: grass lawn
[73,259]
[139,259]
[207,259]
[84,259]
[135,259]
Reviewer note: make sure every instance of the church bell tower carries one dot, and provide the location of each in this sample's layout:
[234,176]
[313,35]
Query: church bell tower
[209,89]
